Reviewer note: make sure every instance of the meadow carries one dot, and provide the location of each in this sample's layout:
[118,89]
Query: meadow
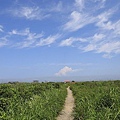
[31,101]
[96,100]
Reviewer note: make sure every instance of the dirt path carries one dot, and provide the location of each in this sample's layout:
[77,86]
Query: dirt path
[66,113]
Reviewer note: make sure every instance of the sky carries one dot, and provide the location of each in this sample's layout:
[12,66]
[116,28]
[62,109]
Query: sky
[55,40]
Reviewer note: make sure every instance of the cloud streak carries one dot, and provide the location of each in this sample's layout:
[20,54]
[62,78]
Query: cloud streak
[77,21]
[89,29]
[99,42]
[79,4]
[30,13]
[47,41]
[1,28]
[28,39]
[3,41]
[71,40]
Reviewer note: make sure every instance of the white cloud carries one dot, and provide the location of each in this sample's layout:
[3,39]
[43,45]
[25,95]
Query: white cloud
[89,47]
[109,49]
[98,37]
[26,32]
[81,17]
[78,20]
[3,41]
[64,71]
[79,4]
[3,37]
[28,39]
[70,41]
[112,47]
[47,41]
[102,36]
[32,13]
[67,42]
[117,28]
[103,20]
[93,42]
[1,28]
[106,29]
[25,44]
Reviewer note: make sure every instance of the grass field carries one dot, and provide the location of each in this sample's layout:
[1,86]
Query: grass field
[43,101]
[31,101]
[97,100]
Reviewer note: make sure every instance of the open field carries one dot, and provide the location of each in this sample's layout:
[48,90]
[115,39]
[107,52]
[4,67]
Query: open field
[97,100]
[44,101]
[31,101]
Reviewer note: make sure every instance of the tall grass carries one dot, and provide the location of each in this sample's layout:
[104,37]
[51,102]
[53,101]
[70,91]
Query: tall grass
[27,101]
[97,100]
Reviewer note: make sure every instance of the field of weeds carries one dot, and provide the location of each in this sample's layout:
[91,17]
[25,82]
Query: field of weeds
[31,101]
[97,100]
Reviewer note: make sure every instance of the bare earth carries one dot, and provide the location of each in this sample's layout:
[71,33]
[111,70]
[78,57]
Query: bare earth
[66,113]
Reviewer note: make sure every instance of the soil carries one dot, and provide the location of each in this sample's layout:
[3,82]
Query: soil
[66,113]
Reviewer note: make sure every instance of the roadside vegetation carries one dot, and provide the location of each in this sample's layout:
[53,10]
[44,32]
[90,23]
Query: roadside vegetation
[31,101]
[97,100]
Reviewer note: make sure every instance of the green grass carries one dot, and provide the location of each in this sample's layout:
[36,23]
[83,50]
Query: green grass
[28,101]
[43,101]
[97,100]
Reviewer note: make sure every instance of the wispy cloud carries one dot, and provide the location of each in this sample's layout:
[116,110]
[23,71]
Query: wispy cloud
[47,41]
[107,41]
[28,39]
[106,30]
[90,26]
[3,41]
[112,47]
[21,33]
[25,38]
[97,37]
[89,47]
[57,7]
[117,28]
[104,19]
[77,20]
[1,28]
[26,32]
[70,41]
[79,4]
[3,37]
[82,15]
[109,49]
[31,13]
[101,3]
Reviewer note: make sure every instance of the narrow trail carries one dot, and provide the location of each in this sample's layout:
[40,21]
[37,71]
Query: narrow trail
[66,113]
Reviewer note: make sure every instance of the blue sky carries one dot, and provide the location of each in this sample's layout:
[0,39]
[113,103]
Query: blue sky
[59,39]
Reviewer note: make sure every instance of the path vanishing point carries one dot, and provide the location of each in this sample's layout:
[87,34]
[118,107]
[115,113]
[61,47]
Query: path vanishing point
[66,113]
